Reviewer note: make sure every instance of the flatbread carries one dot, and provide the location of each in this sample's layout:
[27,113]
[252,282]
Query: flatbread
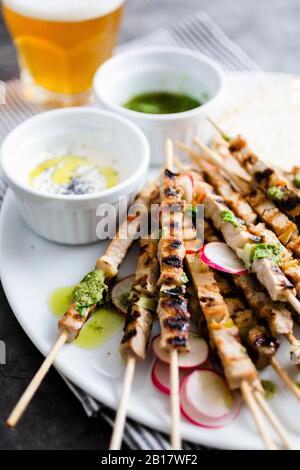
[269,117]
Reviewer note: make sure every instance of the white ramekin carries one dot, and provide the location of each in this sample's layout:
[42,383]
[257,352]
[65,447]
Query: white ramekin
[86,131]
[155,69]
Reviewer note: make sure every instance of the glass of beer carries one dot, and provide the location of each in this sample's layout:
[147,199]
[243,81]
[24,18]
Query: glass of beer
[60,45]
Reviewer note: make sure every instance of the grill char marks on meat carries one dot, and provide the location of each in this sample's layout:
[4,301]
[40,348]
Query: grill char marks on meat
[272,181]
[172,306]
[261,176]
[140,314]
[174,316]
[173,261]
[223,334]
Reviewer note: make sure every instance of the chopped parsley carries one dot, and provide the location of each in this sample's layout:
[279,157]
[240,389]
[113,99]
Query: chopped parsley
[269,388]
[271,251]
[90,291]
[147,303]
[228,216]
[184,279]
[275,193]
[296,180]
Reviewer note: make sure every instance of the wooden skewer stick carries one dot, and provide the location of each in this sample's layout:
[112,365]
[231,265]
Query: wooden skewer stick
[35,382]
[292,339]
[216,159]
[277,426]
[197,160]
[174,370]
[118,430]
[294,302]
[221,131]
[175,405]
[253,407]
[285,377]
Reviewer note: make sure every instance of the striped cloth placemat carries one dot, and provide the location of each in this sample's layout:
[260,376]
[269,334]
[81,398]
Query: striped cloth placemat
[196,32]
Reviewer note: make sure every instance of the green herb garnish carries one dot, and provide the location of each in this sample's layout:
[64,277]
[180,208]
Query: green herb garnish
[275,193]
[90,291]
[270,251]
[269,388]
[296,180]
[183,278]
[147,303]
[228,216]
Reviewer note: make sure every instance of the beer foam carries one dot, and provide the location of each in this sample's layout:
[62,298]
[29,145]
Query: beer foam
[63,10]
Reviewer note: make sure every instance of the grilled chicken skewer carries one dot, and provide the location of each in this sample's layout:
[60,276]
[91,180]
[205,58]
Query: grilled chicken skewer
[271,180]
[239,370]
[217,318]
[263,262]
[70,325]
[138,326]
[289,265]
[285,229]
[275,314]
[172,306]
[263,345]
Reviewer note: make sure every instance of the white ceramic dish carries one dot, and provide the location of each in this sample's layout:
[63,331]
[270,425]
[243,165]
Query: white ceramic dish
[161,69]
[89,132]
[96,371]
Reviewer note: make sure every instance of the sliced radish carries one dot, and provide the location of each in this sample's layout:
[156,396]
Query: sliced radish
[160,376]
[192,179]
[187,185]
[219,256]
[197,355]
[194,248]
[120,291]
[207,401]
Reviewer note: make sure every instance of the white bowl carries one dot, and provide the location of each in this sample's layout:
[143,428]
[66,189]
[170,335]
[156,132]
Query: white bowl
[82,131]
[160,69]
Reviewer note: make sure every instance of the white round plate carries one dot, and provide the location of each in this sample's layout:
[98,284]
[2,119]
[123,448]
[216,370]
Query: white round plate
[31,268]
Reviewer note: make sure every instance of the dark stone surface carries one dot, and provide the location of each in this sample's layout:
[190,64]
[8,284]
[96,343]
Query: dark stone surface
[269,32]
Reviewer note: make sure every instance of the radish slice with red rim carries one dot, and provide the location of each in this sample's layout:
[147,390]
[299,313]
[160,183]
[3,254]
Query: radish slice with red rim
[160,376]
[188,186]
[219,256]
[196,356]
[194,250]
[120,292]
[206,400]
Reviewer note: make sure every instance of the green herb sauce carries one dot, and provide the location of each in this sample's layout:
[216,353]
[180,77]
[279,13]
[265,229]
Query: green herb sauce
[269,388]
[184,279]
[228,216]
[91,290]
[275,193]
[296,180]
[101,326]
[266,250]
[60,299]
[162,102]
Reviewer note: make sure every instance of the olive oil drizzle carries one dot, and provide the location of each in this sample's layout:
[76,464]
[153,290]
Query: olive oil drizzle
[103,324]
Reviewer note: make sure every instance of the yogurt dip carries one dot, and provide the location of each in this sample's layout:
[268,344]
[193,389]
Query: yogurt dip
[72,175]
